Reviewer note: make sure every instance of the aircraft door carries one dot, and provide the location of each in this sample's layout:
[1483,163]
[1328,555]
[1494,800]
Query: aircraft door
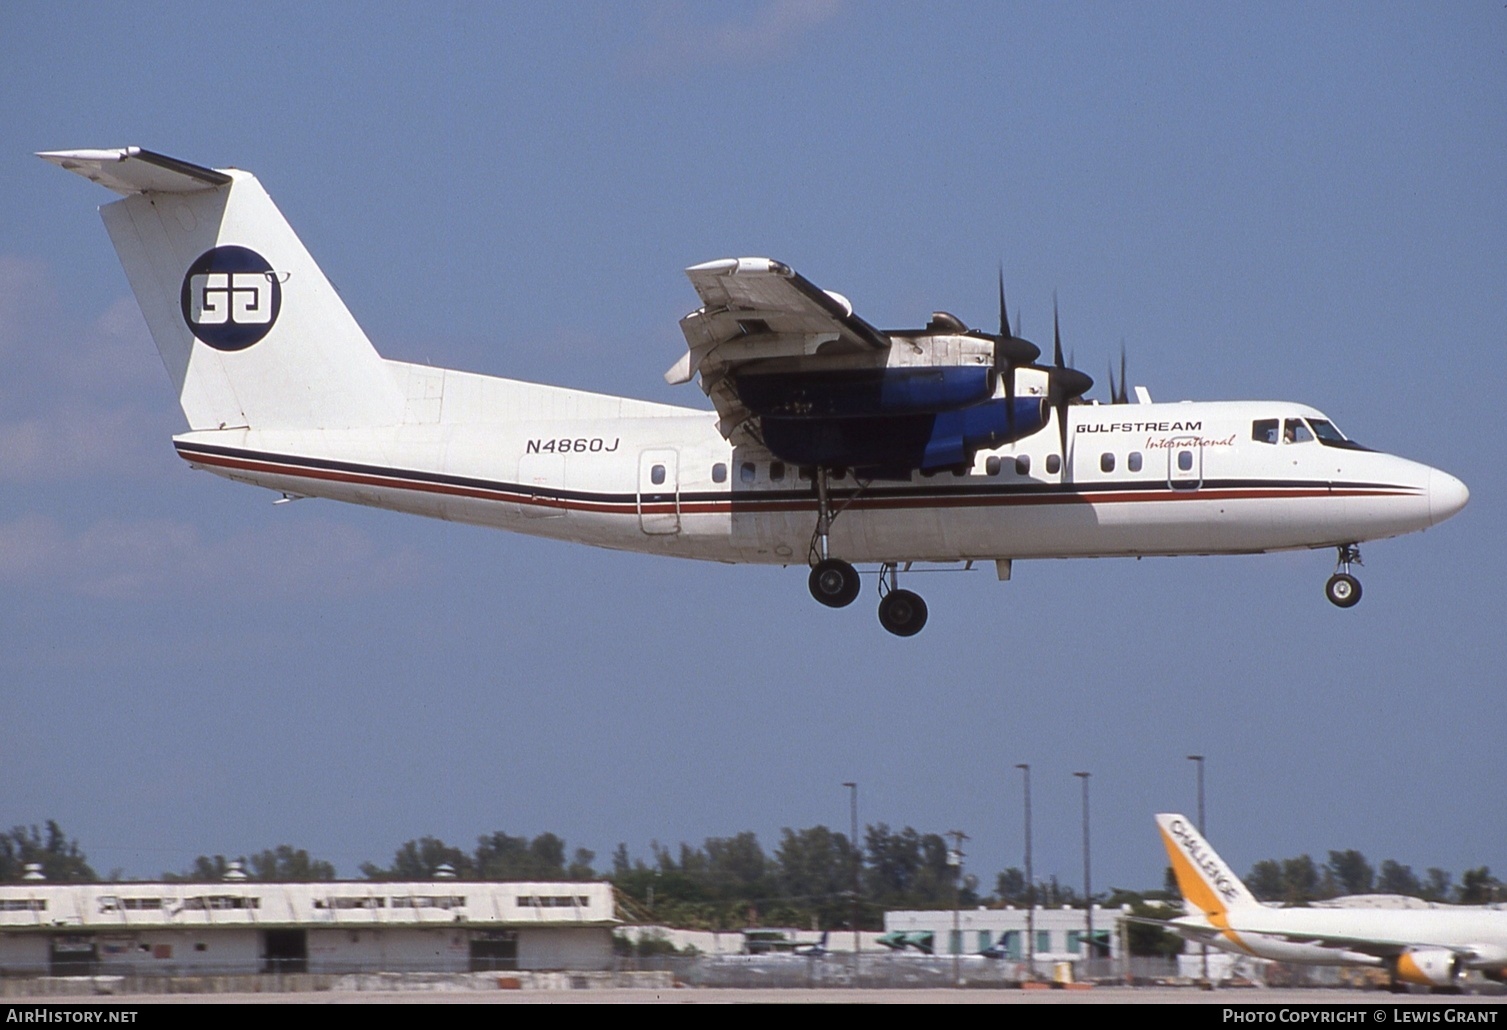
[659,492]
[1185,463]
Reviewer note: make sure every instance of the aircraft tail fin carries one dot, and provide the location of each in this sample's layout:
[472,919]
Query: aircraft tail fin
[1207,883]
[251,331]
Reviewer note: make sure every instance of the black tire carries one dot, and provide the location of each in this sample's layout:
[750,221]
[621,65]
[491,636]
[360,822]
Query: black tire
[902,613]
[1343,590]
[834,583]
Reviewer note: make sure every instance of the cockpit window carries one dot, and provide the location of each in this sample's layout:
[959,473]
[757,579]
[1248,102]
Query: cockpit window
[1325,431]
[1296,431]
[1329,436]
[1264,430]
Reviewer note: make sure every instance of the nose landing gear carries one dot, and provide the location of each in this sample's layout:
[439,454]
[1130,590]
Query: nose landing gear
[1343,589]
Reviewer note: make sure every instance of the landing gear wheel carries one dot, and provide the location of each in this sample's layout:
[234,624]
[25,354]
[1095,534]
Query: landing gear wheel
[1343,590]
[902,613]
[834,583]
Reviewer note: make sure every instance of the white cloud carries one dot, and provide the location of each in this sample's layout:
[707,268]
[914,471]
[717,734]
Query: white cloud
[25,291]
[77,442]
[115,354]
[133,561]
[78,398]
[768,33]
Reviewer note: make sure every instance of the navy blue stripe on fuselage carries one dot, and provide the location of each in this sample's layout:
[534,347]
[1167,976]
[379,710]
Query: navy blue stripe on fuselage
[900,495]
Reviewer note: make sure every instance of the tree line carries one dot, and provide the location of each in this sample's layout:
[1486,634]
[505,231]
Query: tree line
[727,883]
[1297,881]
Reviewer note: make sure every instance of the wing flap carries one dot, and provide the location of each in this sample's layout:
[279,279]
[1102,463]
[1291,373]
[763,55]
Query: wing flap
[759,296]
[756,309]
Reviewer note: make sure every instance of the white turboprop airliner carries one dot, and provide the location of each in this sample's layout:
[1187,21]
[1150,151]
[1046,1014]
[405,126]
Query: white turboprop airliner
[833,442]
[1428,946]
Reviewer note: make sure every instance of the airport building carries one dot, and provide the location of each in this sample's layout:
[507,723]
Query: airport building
[238,927]
[1060,932]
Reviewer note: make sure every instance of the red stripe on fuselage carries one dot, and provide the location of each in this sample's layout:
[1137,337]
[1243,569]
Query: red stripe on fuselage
[751,503]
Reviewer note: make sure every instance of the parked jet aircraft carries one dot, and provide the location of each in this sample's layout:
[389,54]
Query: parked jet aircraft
[1429,946]
[833,442]
[814,950]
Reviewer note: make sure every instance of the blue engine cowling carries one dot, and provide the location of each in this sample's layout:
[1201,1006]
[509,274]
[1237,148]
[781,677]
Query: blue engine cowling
[901,442]
[864,392]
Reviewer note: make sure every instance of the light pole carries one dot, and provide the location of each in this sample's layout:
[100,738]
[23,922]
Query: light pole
[853,847]
[1199,759]
[955,859]
[1088,890]
[1030,880]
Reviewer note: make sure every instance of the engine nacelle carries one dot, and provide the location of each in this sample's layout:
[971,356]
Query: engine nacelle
[1429,967]
[865,392]
[928,441]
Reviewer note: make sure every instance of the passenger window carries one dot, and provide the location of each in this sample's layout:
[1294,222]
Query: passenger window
[803,474]
[1054,464]
[747,472]
[991,466]
[1185,461]
[1134,461]
[719,473]
[657,475]
[776,471]
[1106,462]
[1023,465]
[1295,431]
[1264,430]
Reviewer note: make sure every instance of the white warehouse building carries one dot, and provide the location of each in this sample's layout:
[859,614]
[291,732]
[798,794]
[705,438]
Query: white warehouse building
[236,927]
[1059,932]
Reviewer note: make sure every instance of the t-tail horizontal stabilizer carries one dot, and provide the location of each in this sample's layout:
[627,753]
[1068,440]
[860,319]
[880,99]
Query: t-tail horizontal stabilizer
[252,333]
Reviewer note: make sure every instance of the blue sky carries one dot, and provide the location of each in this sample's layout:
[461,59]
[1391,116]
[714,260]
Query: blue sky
[1291,201]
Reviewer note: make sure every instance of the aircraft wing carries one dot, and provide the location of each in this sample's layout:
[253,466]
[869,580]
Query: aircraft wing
[756,309]
[1380,946]
[1174,925]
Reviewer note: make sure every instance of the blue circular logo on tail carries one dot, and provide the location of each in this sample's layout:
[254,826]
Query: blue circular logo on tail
[230,297]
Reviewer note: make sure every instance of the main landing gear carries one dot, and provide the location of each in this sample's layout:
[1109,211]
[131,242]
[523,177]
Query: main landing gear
[1343,589]
[901,612]
[834,582]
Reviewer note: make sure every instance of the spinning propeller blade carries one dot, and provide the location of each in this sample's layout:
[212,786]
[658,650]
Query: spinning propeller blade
[1008,371]
[1010,350]
[1067,384]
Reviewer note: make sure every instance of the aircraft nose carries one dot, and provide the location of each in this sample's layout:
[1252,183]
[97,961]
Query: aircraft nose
[1447,495]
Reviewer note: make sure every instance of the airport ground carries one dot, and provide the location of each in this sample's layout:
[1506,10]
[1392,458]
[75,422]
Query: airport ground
[1370,1000]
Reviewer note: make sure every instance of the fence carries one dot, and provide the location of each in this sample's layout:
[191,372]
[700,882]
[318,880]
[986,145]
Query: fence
[866,971]
[890,971]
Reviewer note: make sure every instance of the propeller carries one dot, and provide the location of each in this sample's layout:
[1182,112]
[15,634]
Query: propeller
[1117,390]
[1010,350]
[1008,346]
[1066,384]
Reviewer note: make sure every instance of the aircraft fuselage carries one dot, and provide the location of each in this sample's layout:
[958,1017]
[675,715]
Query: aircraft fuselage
[1146,479]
